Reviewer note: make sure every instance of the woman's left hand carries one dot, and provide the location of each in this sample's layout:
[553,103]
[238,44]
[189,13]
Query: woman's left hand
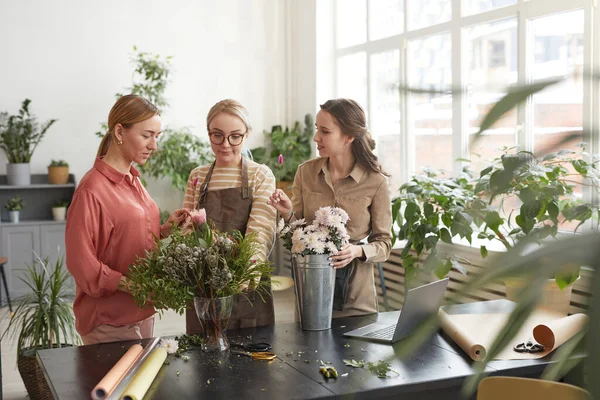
[348,253]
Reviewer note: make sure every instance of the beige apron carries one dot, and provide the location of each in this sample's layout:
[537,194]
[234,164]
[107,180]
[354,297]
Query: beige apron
[229,209]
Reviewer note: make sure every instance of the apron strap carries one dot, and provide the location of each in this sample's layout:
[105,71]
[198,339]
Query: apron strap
[245,188]
[204,186]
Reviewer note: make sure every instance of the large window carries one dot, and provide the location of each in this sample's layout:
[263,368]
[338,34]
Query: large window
[479,49]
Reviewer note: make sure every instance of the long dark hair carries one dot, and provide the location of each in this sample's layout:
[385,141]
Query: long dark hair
[350,117]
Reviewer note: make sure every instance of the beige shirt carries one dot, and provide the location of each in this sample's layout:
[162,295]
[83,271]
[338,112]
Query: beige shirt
[364,195]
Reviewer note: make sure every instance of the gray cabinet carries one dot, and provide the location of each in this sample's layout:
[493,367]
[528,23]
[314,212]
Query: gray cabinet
[19,242]
[36,233]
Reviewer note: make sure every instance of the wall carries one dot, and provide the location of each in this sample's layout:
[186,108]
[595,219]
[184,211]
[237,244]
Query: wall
[71,56]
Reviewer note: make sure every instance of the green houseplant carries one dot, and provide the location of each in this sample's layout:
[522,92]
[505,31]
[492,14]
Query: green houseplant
[19,136]
[517,196]
[14,205]
[546,259]
[58,172]
[179,150]
[294,147]
[43,319]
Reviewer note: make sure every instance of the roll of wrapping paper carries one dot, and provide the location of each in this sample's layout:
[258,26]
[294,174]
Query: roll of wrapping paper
[144,377]
[118,391]
[554,333]
[475,350]
[105,387]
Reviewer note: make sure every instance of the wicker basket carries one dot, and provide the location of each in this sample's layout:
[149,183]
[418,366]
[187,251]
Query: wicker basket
[33,377]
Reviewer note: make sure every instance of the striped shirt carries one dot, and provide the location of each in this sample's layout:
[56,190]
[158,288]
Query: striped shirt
[262,218]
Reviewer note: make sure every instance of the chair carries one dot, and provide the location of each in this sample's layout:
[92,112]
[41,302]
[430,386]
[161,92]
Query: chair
[503,387]
[4,260]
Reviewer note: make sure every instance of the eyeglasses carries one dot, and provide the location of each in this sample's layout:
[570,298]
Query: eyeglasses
[234,140]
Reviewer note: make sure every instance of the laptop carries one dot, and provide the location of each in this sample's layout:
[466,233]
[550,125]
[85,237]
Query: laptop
[420,303]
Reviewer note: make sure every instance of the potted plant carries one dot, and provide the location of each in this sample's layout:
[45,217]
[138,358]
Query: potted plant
[43,319]
[285,150]
[58,172]
[311,247]
[19,136]
[202,266]
[59,210]
[431,208]
[14,205]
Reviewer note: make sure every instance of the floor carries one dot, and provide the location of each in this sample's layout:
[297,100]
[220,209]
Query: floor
[170,324]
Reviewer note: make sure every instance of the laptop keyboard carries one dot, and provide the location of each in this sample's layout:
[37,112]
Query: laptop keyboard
[383,333]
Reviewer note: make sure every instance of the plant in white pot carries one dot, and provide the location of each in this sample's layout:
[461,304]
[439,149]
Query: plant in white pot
[43,319]
[59,210]
[14,205]
[58,172]
[19,136]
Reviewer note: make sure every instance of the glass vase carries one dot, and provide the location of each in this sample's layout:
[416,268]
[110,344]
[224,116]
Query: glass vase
[214,314]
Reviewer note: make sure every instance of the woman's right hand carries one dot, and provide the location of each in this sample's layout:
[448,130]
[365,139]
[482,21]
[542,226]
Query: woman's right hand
[281,202]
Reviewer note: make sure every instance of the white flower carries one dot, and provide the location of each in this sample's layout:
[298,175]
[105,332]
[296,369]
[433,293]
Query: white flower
[343,214]
[285,231]
[297,223]
[322,216]
[298,246]
[335,220]
[311,239]
[298,235]
[331,248]
[322,233]
[318,247]
[280,226]
[171,345]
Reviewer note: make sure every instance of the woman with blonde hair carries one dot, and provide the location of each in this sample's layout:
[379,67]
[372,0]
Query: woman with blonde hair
[347,175]
[234,192]
[111,221]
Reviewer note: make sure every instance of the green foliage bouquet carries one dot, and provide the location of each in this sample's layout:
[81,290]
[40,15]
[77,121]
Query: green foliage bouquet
[203,263]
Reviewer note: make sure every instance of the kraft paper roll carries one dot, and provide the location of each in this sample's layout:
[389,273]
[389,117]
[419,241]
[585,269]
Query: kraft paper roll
[145,376]
[475,333]
[462,337]
[555,333]
[110,381]
[118,391]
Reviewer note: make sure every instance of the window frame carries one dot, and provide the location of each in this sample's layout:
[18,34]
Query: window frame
[524,11]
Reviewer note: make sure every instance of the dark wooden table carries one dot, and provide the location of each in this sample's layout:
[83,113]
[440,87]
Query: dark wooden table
[436,371]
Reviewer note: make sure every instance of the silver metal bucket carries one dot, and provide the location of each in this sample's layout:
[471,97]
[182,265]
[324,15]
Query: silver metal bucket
[314,283]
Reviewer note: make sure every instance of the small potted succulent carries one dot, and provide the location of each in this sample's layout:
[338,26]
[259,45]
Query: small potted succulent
[59,210]
[58,172]
[14,205]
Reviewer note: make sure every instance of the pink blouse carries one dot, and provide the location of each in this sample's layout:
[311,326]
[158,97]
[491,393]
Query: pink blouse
[111,221]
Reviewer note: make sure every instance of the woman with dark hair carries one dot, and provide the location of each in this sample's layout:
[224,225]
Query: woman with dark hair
[113,220]
[347,175]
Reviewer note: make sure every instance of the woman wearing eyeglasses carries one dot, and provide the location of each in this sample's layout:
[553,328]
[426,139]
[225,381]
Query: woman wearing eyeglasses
[234,192]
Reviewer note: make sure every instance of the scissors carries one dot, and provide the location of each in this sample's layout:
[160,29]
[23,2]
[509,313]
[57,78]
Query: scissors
[257,355]
[528,347]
